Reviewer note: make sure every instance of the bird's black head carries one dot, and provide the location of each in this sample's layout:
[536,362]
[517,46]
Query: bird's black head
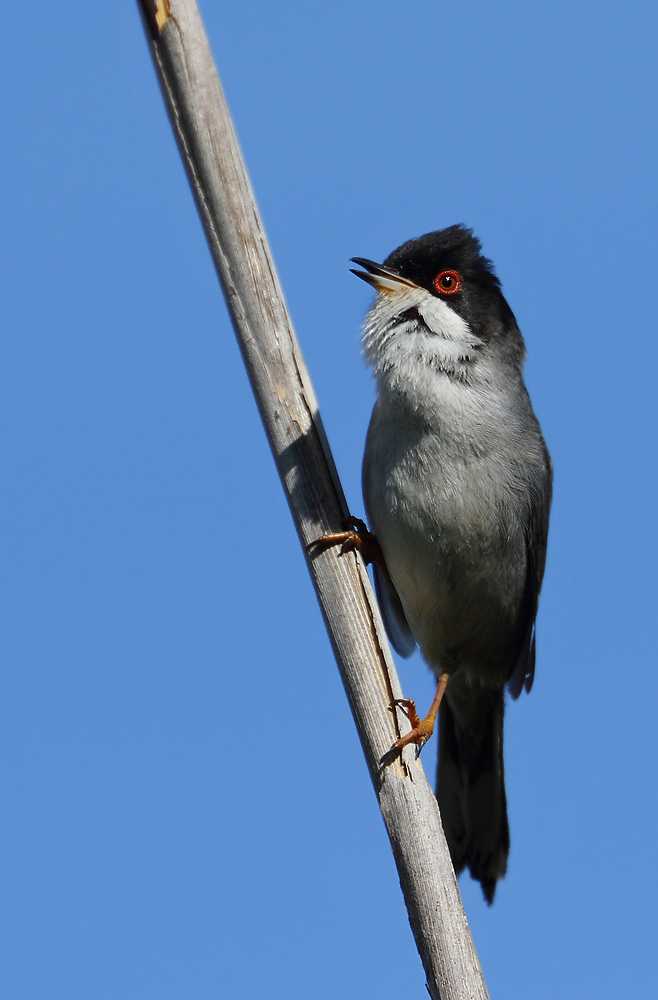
[449,264]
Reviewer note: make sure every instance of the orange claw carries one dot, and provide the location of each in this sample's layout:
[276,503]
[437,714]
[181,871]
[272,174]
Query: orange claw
[357,538]
[422,729]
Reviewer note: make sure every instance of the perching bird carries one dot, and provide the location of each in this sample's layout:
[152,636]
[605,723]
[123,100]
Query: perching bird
[457,489]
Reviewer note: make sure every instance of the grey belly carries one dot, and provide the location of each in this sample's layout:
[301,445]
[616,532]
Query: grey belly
[455,547]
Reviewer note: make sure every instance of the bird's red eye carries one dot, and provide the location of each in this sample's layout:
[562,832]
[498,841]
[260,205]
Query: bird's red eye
[448,282]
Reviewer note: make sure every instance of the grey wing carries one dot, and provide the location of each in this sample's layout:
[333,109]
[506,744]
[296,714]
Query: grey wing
[522,673]
[397,626]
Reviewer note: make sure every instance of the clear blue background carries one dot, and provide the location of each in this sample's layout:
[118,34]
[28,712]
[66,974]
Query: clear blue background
[184,810]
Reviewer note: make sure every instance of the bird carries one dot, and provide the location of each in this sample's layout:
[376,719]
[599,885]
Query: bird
[457,483]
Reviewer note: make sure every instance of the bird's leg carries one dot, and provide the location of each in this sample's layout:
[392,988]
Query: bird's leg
[422,728]
[357,537]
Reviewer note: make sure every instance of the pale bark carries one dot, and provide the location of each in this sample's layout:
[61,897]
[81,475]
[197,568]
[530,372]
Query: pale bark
[285,398]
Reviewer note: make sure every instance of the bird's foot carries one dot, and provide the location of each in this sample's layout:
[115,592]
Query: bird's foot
[356,536]
[421,729]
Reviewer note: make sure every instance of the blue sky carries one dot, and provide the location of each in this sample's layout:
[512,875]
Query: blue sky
[185,810]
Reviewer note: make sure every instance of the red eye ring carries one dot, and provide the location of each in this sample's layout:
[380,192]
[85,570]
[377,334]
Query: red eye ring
[448,282]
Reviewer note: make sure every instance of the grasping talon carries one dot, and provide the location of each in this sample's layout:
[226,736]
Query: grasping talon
[422,729]
[356,536]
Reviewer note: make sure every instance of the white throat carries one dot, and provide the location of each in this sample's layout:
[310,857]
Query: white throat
[410,331]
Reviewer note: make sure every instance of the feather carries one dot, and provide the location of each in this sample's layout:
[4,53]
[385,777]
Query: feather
[397,627]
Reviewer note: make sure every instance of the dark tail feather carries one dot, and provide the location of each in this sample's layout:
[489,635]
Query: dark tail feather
[471,784]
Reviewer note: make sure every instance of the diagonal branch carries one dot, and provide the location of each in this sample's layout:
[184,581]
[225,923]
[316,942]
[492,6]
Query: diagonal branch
[284,394]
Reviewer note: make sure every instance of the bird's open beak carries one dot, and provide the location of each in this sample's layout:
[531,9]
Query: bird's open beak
[383,279]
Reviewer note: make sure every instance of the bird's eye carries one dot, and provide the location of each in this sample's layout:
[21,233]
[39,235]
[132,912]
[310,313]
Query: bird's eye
[448,282]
